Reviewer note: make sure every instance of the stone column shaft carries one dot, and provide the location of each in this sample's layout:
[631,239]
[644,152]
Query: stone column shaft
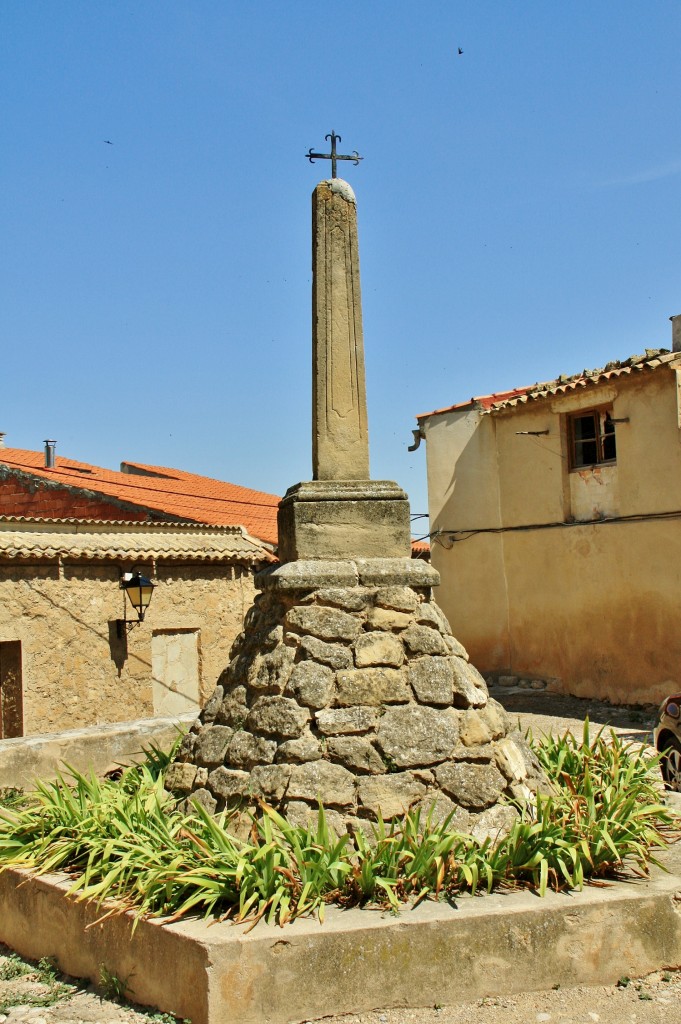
[340,438]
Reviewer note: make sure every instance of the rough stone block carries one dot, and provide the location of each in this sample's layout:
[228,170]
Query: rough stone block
[205,799]
[213,704]
[399,599]
[372,686]
[510,760]
[324,623]
[278,716]
[417,736]
[396,572]
[386,618]
[474,731]
[432,680]
[233,710]
[321,780]
[469,686]
[333,655]
[389,795]
[346,721]
[270,781]
[424,640]
[228,783]
[350,599]
[304,748]
[311,684]
[307,575]
[378,648]
[494,823]
[356,753]
[303,815]
[211,744]
[179,778]
[246,750]
[454,647]
[269,673]
[475,786]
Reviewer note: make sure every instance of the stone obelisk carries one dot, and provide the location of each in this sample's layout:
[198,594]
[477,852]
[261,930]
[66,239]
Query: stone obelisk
[341,513]
[346,686]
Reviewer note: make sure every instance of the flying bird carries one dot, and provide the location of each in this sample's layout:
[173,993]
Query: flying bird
[460,51]
[108,142]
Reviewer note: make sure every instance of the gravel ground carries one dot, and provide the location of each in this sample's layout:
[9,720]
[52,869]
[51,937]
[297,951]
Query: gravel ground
[42,997]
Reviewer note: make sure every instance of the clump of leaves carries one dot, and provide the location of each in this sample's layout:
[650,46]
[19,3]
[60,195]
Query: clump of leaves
[126,843]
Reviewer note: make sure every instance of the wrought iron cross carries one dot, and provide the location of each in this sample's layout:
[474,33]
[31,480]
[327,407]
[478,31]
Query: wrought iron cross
[333,156]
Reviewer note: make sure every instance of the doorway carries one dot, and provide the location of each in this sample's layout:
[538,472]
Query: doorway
[11,690]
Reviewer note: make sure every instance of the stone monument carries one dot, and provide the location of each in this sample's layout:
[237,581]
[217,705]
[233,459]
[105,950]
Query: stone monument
[346,686]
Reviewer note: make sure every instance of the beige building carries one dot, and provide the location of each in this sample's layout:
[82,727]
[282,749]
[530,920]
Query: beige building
[72,654]
[555,517]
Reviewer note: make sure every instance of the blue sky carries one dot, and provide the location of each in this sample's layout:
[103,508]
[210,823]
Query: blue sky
[519,213]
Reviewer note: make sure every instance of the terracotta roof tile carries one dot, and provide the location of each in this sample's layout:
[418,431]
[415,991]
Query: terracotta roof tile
[170,492]
[652,359]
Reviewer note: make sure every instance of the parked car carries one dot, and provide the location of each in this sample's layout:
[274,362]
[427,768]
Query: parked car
[667,737]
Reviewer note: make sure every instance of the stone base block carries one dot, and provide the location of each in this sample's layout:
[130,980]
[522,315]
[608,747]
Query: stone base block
[344,519]
[311,574]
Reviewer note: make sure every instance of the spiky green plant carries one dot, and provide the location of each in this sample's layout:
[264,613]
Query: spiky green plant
[126,843]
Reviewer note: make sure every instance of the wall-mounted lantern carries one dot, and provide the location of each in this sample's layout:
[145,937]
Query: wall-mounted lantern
[139,590]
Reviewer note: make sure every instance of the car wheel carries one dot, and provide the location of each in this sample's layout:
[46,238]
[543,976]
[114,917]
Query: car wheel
[670,764]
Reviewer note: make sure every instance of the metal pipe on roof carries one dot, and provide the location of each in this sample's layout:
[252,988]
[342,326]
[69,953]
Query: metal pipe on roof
[49,454]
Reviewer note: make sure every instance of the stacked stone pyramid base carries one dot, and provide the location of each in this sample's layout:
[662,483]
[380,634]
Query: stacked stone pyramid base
[360,698]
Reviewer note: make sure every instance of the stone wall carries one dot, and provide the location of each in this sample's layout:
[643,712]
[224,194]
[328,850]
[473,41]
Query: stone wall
[75,669]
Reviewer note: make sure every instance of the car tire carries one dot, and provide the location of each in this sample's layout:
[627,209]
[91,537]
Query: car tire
[670,764]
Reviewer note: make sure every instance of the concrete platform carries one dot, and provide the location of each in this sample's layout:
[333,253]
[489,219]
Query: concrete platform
[96,748]
[358,959]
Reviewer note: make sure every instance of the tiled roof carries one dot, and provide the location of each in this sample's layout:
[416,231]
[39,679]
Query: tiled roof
[22,537]
[652,359]
[170,492]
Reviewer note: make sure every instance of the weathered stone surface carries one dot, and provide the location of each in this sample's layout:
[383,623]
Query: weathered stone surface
[474,730]
[432,680]
[373,686]
[201,777]
[233,710]
[494,823]
[424,640]
[472,785]
[278,716]
[429,613]
[211,708]
[510,760]
[437,807]
[356,753]
[228,783]
[206,799]
[311,684]
[389,795]
[455,648]
[303,815]
[211,744]
[307,574]
[386,618]
[469,686]
[485,753]
[400,599]
[270,672]
[414,735]
[187,747]
[305,748]
[324,623]
[396,572]
[351,599]
[378,648]
[344,721]
[495,718]
[179,778]
[321,780]
[270,781]
[246,750]
[334,655]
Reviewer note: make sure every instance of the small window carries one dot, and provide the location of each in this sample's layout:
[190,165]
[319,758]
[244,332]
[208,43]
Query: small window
[591,438]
